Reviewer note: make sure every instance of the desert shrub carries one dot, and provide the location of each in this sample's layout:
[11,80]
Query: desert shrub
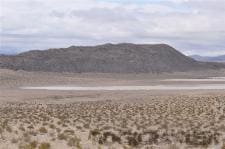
[30,127]
[223,146]
[44,124]
[58,130]
[21,128]
[33,144]
[199,139]
[132,141]
[86,126]
[52,126]
[74,142]
[95,132]
[153,136]
[69,131]
[64,125]
[62,136]
[14,140]
[173,146]
[44,146]
[33,133]
[9,129]
[115,138]
[43,130]
[59,122]
[27,146]
[101,140]
[53,139]
[78,127]
[26,137]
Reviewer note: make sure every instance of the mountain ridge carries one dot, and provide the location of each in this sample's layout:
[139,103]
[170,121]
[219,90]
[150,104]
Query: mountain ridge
[107,58]
[220,58]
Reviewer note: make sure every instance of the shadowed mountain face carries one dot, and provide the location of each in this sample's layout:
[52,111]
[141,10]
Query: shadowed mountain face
[209,59]
[108,58]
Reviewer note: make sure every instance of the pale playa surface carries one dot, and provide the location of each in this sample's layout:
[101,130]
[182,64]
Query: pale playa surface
[16,79]
[183,86]
[210,79]
[131,88]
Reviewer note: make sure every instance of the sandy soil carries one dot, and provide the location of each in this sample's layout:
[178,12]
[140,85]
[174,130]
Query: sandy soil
[109,119]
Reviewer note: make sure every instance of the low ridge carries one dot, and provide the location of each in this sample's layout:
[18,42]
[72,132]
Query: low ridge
[220,58]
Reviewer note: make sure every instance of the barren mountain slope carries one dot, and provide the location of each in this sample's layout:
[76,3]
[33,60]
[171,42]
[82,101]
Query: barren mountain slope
[108,58]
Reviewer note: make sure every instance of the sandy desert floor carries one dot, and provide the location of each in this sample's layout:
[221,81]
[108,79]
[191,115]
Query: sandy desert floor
[41,119]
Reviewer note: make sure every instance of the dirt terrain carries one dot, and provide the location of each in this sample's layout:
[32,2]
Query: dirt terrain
[46,119]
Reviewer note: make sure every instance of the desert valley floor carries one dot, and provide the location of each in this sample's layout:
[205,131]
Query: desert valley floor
[115,119]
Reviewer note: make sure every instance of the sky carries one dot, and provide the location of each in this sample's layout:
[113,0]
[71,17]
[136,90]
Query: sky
[190,26]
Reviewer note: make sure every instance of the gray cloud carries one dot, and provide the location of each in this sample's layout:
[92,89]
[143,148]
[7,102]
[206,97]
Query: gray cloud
[191,26]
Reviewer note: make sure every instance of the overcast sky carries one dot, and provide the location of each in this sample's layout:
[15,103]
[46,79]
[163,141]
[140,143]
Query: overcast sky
[191,26]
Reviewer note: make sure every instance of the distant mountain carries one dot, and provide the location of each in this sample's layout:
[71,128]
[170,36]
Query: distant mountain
[209,59]
[108,58]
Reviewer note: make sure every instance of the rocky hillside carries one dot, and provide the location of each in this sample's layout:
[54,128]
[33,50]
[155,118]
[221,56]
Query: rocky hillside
[108,58]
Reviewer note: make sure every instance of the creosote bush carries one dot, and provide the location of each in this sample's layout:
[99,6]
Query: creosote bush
[44,145]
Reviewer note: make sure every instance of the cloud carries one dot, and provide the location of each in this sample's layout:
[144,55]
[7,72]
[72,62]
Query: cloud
[191,26]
